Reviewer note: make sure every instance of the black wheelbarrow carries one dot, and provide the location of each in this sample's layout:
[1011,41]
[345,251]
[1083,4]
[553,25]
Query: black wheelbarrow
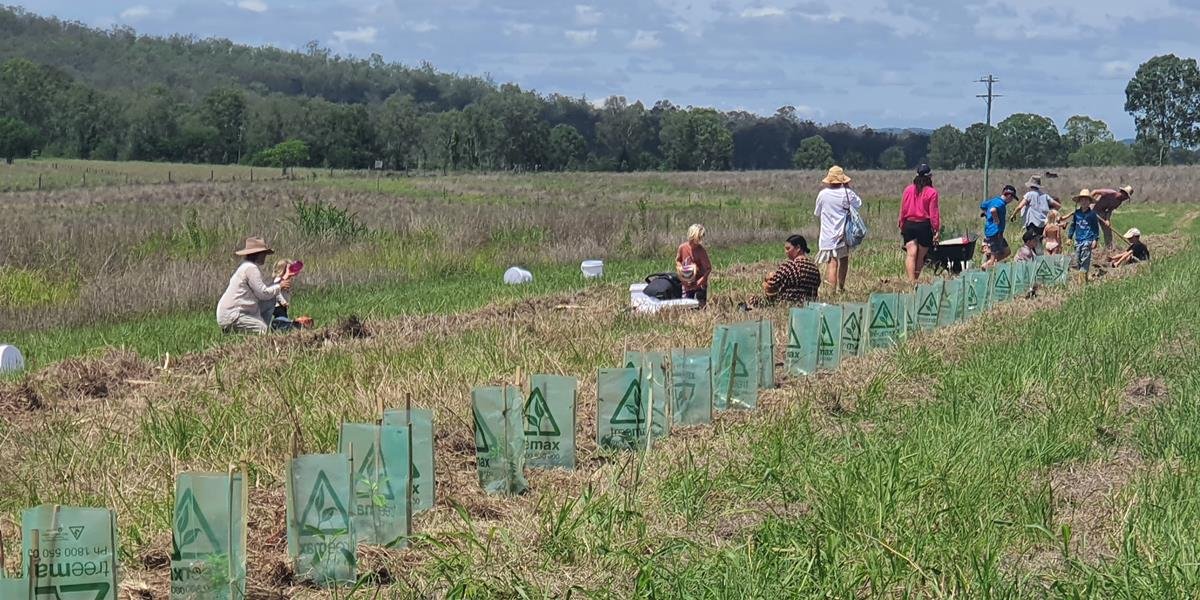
[951,255]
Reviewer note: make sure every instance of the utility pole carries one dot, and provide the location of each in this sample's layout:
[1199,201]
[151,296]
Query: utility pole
[987,144]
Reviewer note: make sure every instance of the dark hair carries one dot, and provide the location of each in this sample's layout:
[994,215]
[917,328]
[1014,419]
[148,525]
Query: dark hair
[922,182]
[1030,236]
[258,258]
[798,241]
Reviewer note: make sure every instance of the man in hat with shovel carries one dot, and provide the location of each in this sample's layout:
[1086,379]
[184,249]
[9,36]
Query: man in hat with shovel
[242,306]
[1107,201]
[1035,207]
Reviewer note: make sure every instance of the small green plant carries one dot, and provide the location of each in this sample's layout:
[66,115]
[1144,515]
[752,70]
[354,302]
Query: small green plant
[322,219]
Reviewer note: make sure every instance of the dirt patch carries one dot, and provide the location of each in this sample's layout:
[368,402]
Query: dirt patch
[1144,394]
[1086,498]
[734,525]
[104,376]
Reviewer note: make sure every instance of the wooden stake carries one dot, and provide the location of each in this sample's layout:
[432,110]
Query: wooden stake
[408,512]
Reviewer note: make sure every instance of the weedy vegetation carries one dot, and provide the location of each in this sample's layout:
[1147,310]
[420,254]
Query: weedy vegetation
[1045,449]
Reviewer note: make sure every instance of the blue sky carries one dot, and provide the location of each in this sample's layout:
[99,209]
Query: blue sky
[884,63]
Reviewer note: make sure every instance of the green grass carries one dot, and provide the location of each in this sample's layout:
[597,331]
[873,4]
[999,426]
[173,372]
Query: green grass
[474,286]
[928,477]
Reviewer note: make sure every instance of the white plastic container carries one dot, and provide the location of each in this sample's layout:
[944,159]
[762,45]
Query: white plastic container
[592,268]
[11,360]
[517,276]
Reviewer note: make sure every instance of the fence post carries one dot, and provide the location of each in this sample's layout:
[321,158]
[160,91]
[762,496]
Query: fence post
[251,174]
[39,182]
[169,179]
[211,174]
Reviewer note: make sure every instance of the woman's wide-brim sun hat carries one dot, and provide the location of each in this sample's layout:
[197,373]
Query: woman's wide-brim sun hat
[836,176]
[1084,194]
[254,245]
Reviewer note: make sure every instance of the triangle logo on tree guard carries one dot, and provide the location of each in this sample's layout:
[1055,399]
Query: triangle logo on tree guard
[539,421]
[852,328]
[485,440]
[793,338]
[883,319]
[630,410]
[929,308]
[73,591]
[825,340]
[972,296]
[368,477]
[1044,270]
[325,508]
[1002,280]
[193,536]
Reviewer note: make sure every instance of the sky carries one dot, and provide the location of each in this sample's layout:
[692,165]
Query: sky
[882,63]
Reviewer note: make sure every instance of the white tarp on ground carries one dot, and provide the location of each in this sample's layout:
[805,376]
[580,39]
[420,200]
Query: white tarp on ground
[645,304]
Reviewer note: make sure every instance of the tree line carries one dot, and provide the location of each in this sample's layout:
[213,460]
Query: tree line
[73,91]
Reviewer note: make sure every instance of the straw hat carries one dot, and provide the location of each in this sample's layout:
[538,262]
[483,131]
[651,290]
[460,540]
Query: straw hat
[1128,190]
[1084,194]
[1133,232]
[1034,182]
[254,245]
[836,176]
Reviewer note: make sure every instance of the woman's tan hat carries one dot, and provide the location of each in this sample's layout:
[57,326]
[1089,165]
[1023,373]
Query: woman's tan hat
[1128,190]
[254,245]
[836,176]
[1035,181]
[1084,194]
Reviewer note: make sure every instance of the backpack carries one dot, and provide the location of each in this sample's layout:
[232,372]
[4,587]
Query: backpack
[664,286]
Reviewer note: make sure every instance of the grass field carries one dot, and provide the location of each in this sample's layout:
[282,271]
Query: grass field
[1045,449]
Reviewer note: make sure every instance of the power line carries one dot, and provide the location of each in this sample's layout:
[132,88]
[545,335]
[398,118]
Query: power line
[987,144]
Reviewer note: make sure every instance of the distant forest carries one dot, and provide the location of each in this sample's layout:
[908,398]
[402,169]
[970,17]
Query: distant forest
[73,91]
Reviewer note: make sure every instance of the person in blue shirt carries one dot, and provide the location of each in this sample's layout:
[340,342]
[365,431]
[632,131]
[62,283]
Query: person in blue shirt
[993,211]
[1085,230]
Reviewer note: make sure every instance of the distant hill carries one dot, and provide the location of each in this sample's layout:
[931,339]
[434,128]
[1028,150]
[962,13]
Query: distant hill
[70,90]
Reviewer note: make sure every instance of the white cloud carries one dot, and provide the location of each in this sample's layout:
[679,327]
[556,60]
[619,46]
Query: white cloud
[581,37]
[645,40]
[418,26]
[587,15]
[362,35]
[518,29]
[763,12]
[1117,69]
[257,6]
[134,13]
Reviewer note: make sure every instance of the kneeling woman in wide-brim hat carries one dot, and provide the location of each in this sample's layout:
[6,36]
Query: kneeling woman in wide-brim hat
[248,298]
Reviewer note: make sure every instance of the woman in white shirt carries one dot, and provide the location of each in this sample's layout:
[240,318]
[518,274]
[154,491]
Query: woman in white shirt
[833,207]
[241,307]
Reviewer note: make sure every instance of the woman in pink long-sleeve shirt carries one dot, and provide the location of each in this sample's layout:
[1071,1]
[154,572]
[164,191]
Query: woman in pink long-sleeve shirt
[920,221]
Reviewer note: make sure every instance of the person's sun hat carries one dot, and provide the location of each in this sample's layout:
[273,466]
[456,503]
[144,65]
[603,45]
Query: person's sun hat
[1084,194]
[1034,182]
[836,176]
[254,245]
[1128,190]
[1008,189]
[924,170]
[1133,232]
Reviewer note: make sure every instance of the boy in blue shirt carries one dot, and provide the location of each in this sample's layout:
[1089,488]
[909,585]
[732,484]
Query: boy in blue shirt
[1084,229]
[993,211]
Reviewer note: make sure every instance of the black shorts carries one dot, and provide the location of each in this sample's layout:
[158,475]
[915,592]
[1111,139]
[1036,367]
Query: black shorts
[1040,231]
[997,244]
[920,231]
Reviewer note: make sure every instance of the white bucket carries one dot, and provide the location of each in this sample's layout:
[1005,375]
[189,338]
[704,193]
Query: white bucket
[592,268]
[517,276]
[11,360]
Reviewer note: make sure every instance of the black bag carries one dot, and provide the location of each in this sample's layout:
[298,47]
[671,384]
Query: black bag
[664,286]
